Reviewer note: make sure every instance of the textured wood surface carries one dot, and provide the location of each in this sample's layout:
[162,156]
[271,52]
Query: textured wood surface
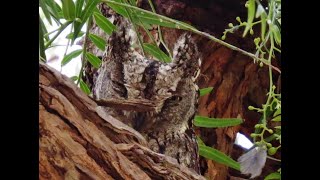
[78,140]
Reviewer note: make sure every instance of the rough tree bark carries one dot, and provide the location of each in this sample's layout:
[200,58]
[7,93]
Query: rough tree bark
[78,140]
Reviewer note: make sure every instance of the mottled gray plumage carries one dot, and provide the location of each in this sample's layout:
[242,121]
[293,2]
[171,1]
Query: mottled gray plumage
[125,73]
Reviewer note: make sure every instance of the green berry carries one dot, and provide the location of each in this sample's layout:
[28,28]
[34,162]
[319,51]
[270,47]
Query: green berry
[256,40]
[269,145]
[261,64]
[251,108]
[257,126]
[251,31]
[223,37]
[272,151]
[230,25]
[253,135]
[238,19]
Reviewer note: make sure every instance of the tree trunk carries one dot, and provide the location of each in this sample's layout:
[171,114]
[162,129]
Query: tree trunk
[78,140]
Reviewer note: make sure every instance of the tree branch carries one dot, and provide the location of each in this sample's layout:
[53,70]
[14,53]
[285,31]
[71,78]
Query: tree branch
[80,141]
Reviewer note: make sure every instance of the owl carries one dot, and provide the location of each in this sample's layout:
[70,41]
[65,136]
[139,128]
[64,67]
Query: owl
[126,74]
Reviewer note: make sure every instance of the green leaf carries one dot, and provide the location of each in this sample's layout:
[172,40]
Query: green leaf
[218,156]
[67,58]
[200,142]
[260,10]
[104,23]
[118,8]
[146,25]
[278,111]
[94,60]
[79,4]
[54,9]
[276,34]
[86,13]
[74,78]
[68,9]
[44,29]
[277,119]
[205,91]
[133,2]
[98,41]
[41,42]
[263,25]
[70,35]
[85,88]
[45,11]
[148,17]
[251,11]
[274,175]
[156,52]
[201,121]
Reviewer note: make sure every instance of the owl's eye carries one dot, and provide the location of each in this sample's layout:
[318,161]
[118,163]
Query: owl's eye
[176,98]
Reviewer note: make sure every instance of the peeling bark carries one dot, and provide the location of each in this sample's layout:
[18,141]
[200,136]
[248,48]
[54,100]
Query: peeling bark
[79,141]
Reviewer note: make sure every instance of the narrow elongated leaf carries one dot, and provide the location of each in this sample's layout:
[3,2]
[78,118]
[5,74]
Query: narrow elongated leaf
[156,52]
[94,60]
[276,34]
[263,25]
[148,17]
[85,14]
[98,41]
[272,176]
[277,119]
[251,11]
[44,29]
[70,35]
[216,122]
[74,78]
[218,156]
[278,111]
[84,87]
[104,23]
[45,11]
[79,4]
[152,18]
[118,8]
[67,58]
[53,8]
[200,142]
[41,42]
[205,91]
[133,2]
[68,9]
[260,10]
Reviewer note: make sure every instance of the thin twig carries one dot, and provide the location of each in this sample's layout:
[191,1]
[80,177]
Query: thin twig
[84,51]
[159,31]
[62,27]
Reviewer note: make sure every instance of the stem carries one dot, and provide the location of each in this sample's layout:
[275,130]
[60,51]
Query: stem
[275,159]
[47,34]
[41,43]
[136,30]
[62,27]
[159,31]
[148,33]
[84,50]
[68,43]
[190,28]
